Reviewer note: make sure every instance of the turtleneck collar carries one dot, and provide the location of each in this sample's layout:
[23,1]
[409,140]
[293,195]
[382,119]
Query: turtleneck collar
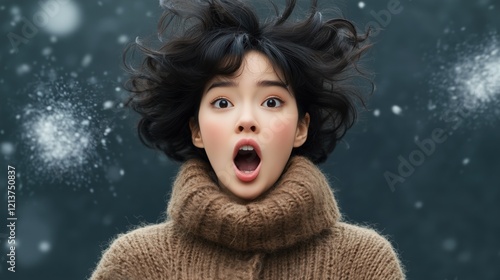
[299,206]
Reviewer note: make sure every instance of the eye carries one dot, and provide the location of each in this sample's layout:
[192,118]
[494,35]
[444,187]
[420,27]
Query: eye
[222,103]
[272,102]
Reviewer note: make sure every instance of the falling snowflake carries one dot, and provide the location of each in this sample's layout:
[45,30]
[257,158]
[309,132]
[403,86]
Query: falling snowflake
[419,204]
[59,18]
[468,87]
[63,127]
[7,148]
[44,246]
[396,110]
[60,139]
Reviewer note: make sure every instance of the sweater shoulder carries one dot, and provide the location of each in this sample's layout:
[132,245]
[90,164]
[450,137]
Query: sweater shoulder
[129,255]
[143,237]
[371,253]
[353,232]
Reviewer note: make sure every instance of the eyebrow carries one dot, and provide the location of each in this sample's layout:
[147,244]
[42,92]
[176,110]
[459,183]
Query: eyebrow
[263,83]
[268,83]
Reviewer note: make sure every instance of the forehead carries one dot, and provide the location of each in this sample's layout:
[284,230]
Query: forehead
[254,64]
[257,64]
[255,69]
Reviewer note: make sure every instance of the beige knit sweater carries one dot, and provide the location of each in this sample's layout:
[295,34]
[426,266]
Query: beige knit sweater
[293,231]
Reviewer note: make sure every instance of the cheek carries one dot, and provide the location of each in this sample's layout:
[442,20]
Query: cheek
[213,131]
[280,131]
[285,138]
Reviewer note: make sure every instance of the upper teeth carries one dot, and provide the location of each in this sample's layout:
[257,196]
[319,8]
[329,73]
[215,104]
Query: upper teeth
[246,148]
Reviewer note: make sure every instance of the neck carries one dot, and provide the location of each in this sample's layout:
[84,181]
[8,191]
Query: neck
[299,206]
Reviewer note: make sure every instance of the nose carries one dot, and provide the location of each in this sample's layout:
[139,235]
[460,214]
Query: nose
[247,122]
[246,127]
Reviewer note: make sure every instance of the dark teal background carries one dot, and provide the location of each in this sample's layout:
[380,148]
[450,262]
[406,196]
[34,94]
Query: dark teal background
[444,219]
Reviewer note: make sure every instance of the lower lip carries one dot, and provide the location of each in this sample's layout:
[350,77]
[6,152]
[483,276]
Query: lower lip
[246,177]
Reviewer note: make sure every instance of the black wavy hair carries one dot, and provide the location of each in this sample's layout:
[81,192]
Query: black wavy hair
[207,38]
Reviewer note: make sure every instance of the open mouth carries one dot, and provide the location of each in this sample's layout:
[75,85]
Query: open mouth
[247,159]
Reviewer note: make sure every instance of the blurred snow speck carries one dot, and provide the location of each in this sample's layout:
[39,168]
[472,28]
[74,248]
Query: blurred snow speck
[7,148]
[107,131]
[119,10]
[23,69]
[114,173]
[46,51]
[431,106]
[60,17]
[123,39]
[376,112]
[44,246]
[87,59]
[108,104]
[396,110]
[107,220]
[361,4]
[418,204]
[449,244]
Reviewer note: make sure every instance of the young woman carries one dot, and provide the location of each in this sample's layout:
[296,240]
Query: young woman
[250,107]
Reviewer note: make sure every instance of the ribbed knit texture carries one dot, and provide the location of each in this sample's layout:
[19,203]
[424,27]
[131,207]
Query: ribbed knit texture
[293,231]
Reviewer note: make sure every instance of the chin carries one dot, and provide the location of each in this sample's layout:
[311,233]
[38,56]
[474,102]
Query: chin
[246,195]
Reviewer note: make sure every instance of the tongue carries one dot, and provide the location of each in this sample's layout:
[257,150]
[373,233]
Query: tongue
[247,160]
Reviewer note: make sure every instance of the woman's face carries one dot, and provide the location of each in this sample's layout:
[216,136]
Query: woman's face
[248,125]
